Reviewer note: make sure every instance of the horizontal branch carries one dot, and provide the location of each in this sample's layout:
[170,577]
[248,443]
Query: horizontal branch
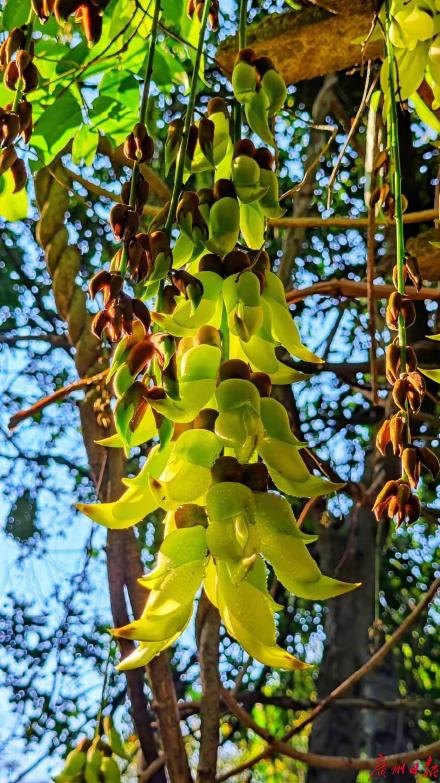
[312,221]
[82,383]
[57,340]
[315,759]
[250,698]
[354,290]
[316,221]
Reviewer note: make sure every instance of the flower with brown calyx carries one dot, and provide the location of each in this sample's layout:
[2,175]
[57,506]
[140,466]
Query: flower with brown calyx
[410,389]
[396,501]
[399,305]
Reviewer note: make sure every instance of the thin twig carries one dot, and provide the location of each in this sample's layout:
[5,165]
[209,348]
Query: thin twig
[365,98]
[314,759]
[82,383]
[371,255]
[314,163]
[353,290]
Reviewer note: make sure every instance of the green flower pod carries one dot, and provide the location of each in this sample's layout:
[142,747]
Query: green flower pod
[243,304]
[257,117]
[187,474]
[224,225]
[255,632]
[295,567]
[74,763]
[183,322]
[244,76]
[245,175]
[269,202]
[238,424]
[272,84]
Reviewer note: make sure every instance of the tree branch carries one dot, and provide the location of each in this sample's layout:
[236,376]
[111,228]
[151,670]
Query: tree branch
[82,383]
[331,761]
[313,759]
[354,290]
[208,640]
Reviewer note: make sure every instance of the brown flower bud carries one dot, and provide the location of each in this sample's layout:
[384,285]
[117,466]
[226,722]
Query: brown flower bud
[382,502]
[235,261]
[190,515]
[264,158]
[24,112]
[234,368]
[14,42]
[211,262]
[263,383]
[408,311]
[7,158]
[91,21]
[411,465]
[140,357]
[429,460]
[223,188]
[100,323]
[216,105]
[398,433]
[246,55]
[226,469]
[170,293]
[9,128]
[22,59]
[256,476]
[11,75]
[206,419]
[383,437]
[100,282]
[413,270]
[30,78]
[142,313]
[244,147]
[400,390]
[413,509]
[19,175]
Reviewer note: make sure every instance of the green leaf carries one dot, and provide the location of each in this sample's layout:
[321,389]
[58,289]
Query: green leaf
[84,145]
[433,375]
[13,206]
[427,116]
[16,13]
[56,126]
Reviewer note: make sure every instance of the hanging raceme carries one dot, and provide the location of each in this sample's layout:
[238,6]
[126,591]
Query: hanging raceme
[397,500]
[195,372]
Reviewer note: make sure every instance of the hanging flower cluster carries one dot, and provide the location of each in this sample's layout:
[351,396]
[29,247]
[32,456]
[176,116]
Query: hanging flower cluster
[397,500]
[96,760]
[195,375]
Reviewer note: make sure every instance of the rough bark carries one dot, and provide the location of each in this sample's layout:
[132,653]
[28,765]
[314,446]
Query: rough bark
[208,639]
[311,42]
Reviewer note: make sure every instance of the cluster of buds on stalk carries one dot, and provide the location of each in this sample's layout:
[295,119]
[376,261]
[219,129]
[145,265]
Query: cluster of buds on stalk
[197,6]
[20,74]
[87,12]
[397,499]
[120,309]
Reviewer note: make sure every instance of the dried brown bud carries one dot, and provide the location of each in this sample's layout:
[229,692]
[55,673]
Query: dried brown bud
[411,465]
[383,437]
[392,362]
[398,433]
[429,460]
[19,175]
